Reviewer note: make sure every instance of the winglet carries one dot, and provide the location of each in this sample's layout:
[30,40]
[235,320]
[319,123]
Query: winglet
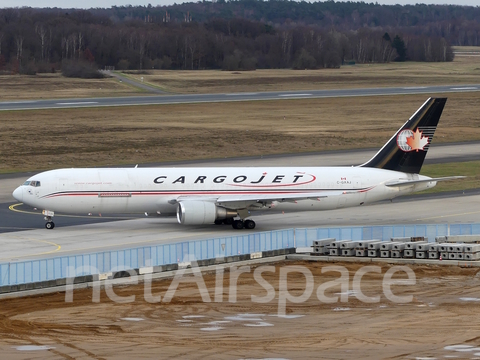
[406,150]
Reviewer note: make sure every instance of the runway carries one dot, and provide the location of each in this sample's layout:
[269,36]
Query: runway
[250,96]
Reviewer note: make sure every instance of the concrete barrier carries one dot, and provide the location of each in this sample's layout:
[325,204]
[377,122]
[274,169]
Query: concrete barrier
[398,246]
[433,254]
[472,248]
[334,252]
[349,245]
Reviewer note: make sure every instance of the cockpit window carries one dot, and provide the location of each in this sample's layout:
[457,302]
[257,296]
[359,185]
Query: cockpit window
[33,183]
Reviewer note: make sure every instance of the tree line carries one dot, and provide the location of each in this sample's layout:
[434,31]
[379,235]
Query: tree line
[40,40]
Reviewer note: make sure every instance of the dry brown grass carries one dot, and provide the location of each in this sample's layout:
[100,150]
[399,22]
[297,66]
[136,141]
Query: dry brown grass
[464,70]
[43,139]
[55,86]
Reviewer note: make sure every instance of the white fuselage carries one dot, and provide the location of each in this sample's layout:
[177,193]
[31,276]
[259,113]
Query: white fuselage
[156,190]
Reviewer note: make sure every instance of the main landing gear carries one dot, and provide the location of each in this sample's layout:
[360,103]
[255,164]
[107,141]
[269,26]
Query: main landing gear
[240,224]
[237,224]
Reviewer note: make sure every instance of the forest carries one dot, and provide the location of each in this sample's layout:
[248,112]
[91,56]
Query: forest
[232,35]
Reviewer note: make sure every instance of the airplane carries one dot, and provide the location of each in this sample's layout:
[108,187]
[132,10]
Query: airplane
[227,195]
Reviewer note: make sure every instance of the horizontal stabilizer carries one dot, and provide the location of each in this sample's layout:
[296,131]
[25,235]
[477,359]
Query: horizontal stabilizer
[413,182]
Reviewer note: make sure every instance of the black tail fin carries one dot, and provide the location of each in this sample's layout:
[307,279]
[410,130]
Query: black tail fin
[407,149]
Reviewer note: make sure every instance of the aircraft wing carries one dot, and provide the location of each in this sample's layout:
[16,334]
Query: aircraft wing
[413,182]
[242,200]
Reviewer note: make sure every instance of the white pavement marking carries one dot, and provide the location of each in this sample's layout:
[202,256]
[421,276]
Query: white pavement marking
[78,103]
[284,95]
[465,88]
[414,87]
[240,94]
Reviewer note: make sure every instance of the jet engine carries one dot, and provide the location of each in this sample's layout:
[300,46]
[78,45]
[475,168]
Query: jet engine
[201,212]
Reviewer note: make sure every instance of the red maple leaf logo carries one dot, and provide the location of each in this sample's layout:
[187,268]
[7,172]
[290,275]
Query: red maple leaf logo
[417,141]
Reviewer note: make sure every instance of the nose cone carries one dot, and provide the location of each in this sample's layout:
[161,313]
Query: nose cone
[18,193]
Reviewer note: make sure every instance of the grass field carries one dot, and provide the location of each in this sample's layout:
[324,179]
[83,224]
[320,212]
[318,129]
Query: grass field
[464,70]
[55,86]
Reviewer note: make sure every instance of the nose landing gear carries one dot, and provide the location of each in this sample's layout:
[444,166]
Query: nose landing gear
[48,218]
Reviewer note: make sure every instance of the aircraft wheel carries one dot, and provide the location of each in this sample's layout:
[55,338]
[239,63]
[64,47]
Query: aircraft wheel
[50,225]
[249,224]
[218,222]
[237,224]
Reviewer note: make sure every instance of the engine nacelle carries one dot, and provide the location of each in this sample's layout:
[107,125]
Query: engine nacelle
[201,212]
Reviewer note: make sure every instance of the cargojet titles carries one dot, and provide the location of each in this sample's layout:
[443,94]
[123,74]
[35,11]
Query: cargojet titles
[241,180]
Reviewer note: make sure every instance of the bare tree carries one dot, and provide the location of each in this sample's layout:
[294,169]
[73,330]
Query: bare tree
[42,33]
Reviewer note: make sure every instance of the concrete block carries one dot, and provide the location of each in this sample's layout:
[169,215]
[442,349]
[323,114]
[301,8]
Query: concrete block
[385,253]
[29,286]
[334,252]
[452,256]
[361,253]
[472,248]
[472,256]
[375,245]
[387,245]
[348,252]
[433,254]
[4,289]
[401,239]
[443,247]
[373,253]
[323,242]
[325,250]
[459,248]
[413,245]
[409,253]
[363,244]
[444,255]
[51,283]
[397,254]
[337,244]
[398,246]
[440,239]
[423,247]
[21,287]
[460,256]
[451,248]
[420,255]
[349,245]
[245,257]
[463,238]
[37,285]
[434,247]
